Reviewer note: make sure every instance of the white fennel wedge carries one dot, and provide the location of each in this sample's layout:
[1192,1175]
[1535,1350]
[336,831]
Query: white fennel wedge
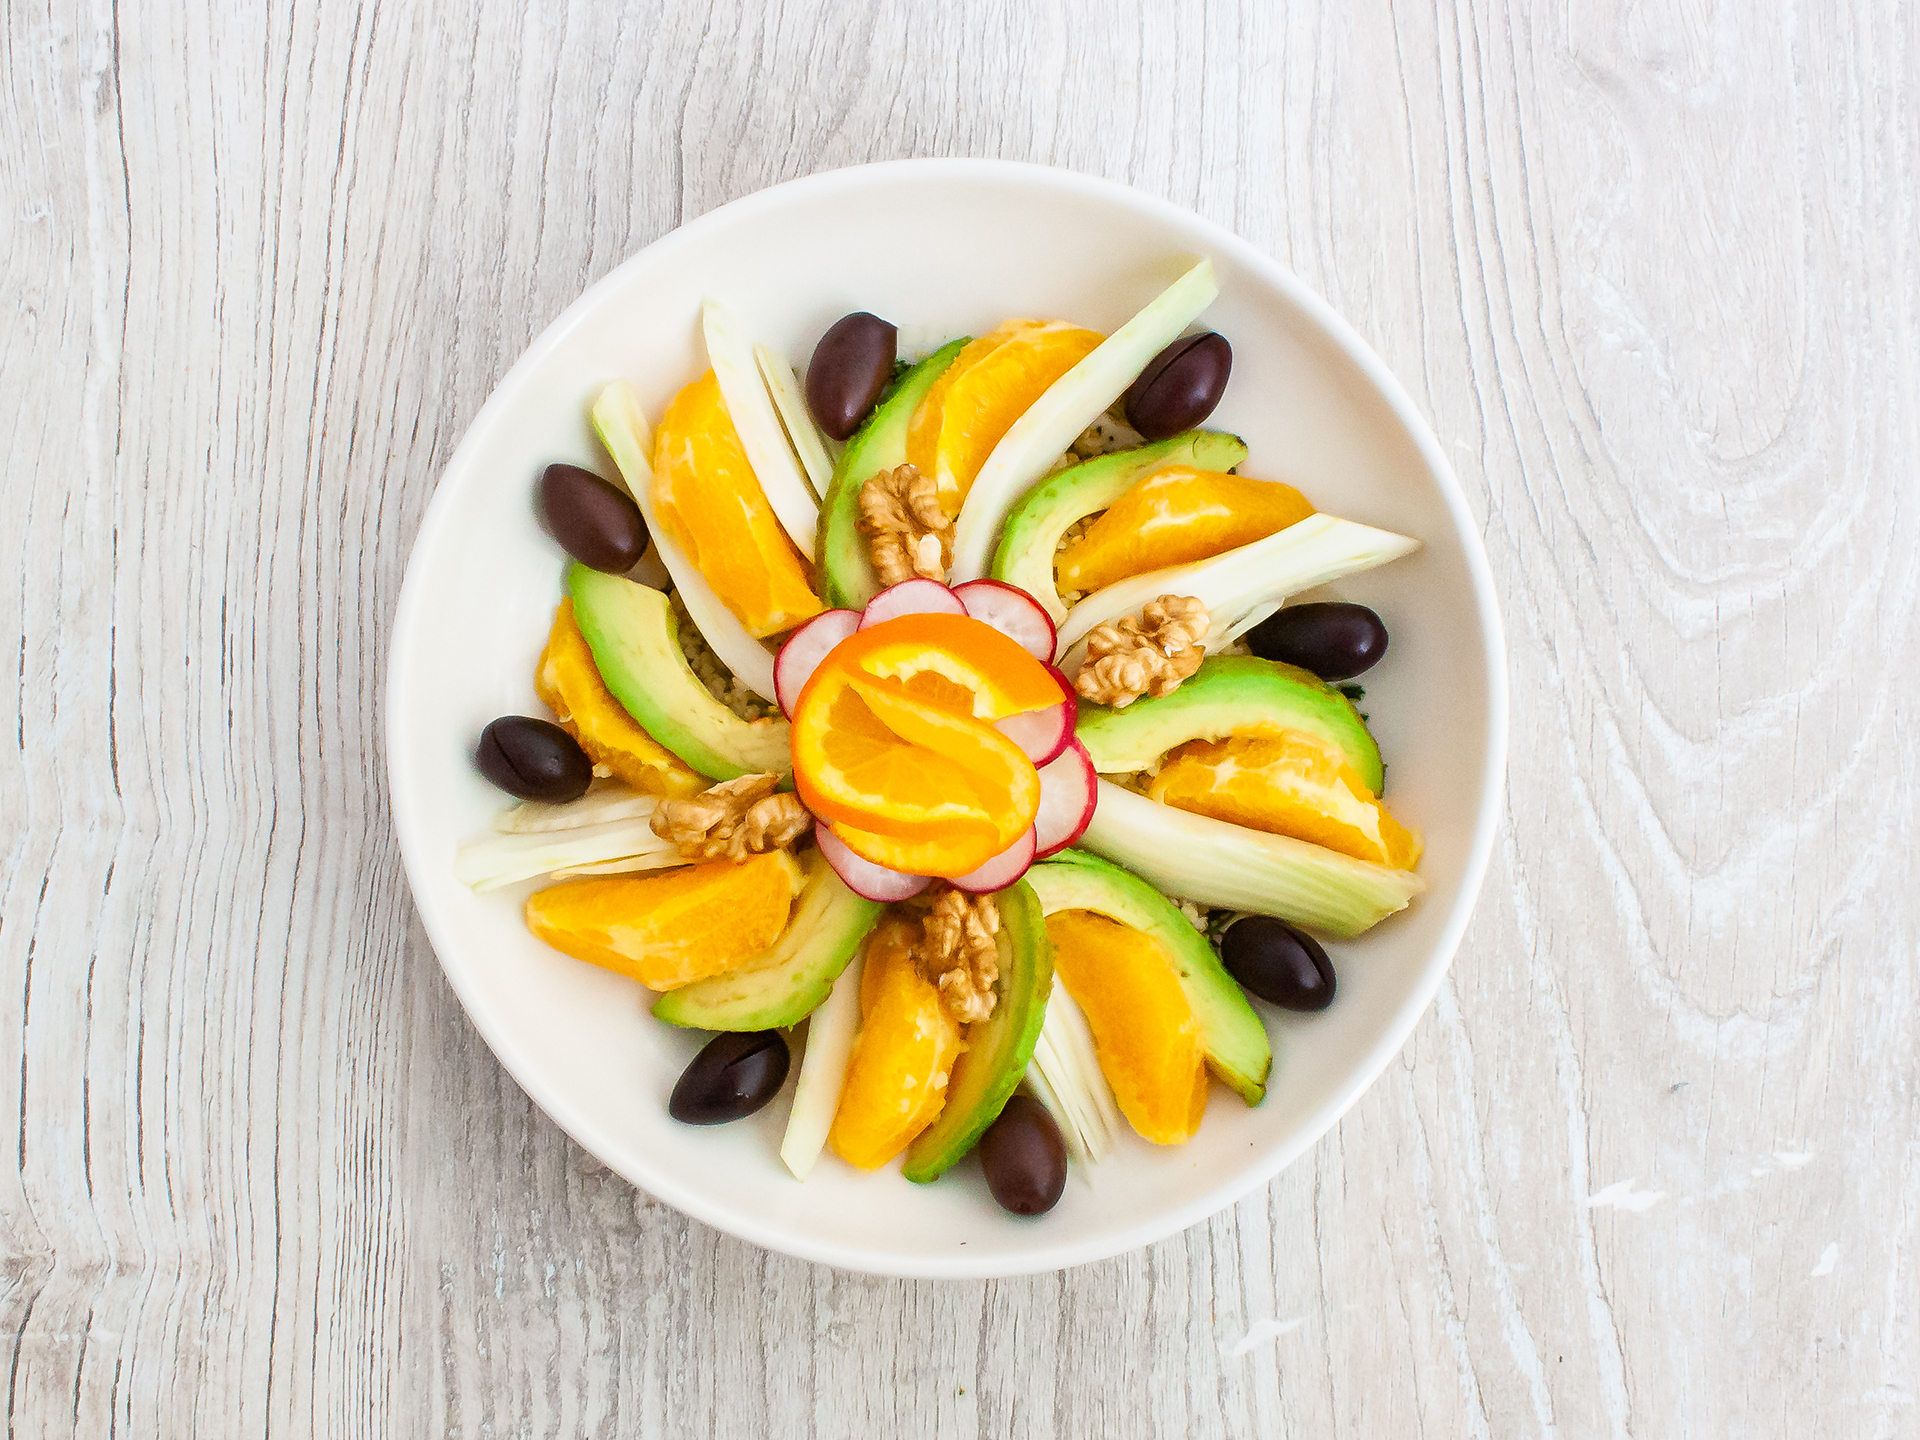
[762,436]
[784,386]
[1073,402]
[823,1071]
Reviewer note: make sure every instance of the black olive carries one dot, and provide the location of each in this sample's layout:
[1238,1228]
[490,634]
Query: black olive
[1281,965]
[850,367]
[1334,639]
[1024,1158]
[595,522]
[1180,385]
[733,1075]
[534,759]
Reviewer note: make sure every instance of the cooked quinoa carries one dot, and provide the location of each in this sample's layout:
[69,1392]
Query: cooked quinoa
[706,665]
[1107,434]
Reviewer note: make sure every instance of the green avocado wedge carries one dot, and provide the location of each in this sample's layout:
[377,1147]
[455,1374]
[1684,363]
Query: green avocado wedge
[787,983]
[998,1047]
[1229,694]
[1236,1043]
[636,646]
[846,570]
[1046,512]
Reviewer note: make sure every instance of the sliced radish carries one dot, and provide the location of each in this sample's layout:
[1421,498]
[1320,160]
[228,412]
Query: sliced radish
[1069,790]
[803,651]
[911,597]
[866,879]
[1003,869]
[1042,734]
[1011,611]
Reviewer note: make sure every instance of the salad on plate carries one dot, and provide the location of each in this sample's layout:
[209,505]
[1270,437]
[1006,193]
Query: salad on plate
[944,722]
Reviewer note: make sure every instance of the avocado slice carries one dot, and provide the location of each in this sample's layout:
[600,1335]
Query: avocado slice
[1235,1041]
[997,1048]
[846,569]
[636,646]
[1227,694]
[1035,525]
[787,983]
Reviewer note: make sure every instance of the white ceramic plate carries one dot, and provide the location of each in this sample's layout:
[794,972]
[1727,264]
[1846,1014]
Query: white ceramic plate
[942,248]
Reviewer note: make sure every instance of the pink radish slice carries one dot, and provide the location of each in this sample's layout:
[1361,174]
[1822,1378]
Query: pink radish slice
[1011,611]
[1066,686]
[1043,734]
[911,597]
[866,879]
[1002,870]
[1069,789]
[805,648]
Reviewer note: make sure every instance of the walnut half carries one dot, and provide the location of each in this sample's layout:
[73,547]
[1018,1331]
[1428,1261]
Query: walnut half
[736,818]
[959,954]
[1128,658]
[909,532]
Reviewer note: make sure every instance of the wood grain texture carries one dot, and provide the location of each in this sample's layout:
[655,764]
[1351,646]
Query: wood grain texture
[1651,269]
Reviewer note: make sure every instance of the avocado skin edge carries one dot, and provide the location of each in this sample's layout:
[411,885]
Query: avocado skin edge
[1237,1048]
[636,648]
[1229,693]
[999,1048]
[1033,528]
[846,571]
[829,925]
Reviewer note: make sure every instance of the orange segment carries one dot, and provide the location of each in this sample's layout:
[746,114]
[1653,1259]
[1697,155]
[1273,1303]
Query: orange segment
[953,661]
[712,506]
[848,766]
[897,1079]
[1176,515]
[570,684]
[1143,1028]
[999,769]
[671,929]
[990,384]
[1286,783]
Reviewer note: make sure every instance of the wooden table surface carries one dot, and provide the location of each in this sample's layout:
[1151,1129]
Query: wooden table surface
[1651,1165]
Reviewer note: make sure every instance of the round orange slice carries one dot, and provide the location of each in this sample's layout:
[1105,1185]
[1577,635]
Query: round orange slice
[990,384]
[1174,516]
[849,766]
[959,850]
[951,661]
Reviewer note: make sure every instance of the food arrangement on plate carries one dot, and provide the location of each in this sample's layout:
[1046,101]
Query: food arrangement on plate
[946,723]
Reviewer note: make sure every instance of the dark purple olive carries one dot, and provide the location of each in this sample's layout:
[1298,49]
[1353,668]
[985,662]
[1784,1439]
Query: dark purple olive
[595,522]
[1180,385]
[1281,965]
[1334,639]
[534,759]
[850,367]
[1024,1158]
[734,1075]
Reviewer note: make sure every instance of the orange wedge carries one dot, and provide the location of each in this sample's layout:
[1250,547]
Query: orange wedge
[1173,516]
[671,929]
[712,506]
[570,684]
[1144,1033]
[1286,783]
[897,1078]
[990,384]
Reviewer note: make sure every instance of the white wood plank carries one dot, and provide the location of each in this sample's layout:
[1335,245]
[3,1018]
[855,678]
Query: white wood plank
[1652,271]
